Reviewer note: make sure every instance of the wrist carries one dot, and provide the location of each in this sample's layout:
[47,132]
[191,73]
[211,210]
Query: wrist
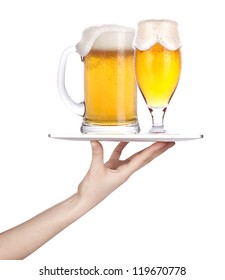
[77,205]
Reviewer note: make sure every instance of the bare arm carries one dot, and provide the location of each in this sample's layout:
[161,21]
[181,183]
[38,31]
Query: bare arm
[100,180]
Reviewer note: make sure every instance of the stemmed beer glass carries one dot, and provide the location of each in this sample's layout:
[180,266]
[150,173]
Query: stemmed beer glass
[158,66]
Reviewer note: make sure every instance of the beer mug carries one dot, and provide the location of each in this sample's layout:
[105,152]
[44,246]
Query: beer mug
[110,104]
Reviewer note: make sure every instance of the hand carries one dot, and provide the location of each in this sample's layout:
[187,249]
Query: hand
[103,178]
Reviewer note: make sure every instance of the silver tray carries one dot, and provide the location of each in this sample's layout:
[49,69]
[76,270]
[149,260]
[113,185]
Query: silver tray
[140,137]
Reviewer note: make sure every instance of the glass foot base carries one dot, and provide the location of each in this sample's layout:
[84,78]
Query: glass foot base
[87,128]
[157,129]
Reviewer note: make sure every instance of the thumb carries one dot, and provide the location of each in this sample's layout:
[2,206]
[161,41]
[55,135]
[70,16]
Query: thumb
[97,154]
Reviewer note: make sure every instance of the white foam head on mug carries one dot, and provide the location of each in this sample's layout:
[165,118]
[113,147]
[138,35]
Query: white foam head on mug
[107,37]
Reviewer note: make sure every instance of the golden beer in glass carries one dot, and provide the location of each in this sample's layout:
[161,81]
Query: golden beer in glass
[157,66]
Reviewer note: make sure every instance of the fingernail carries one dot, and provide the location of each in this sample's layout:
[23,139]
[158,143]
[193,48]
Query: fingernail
[94,145]
[172,144]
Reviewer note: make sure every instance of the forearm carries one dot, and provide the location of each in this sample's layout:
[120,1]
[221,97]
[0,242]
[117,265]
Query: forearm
[22,240]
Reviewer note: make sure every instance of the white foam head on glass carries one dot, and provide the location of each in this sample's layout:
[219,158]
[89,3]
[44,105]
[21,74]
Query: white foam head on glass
[150,32]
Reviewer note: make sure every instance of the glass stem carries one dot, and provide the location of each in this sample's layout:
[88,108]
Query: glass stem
[157,119]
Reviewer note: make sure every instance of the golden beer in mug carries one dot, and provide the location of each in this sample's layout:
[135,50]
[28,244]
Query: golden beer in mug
[110,104]
[110,87]
[157,66]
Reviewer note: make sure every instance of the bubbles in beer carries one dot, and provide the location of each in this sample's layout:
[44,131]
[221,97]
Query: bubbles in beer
[105,37]
[150,32]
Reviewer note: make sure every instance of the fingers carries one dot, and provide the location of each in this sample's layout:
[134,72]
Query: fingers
[159,150]
[133,163]
[118,151]
[143,157]
[97,154]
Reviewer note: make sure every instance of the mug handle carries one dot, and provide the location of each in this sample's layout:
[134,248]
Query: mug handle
[78,108]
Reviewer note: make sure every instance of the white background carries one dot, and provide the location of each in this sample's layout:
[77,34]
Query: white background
[170,213]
